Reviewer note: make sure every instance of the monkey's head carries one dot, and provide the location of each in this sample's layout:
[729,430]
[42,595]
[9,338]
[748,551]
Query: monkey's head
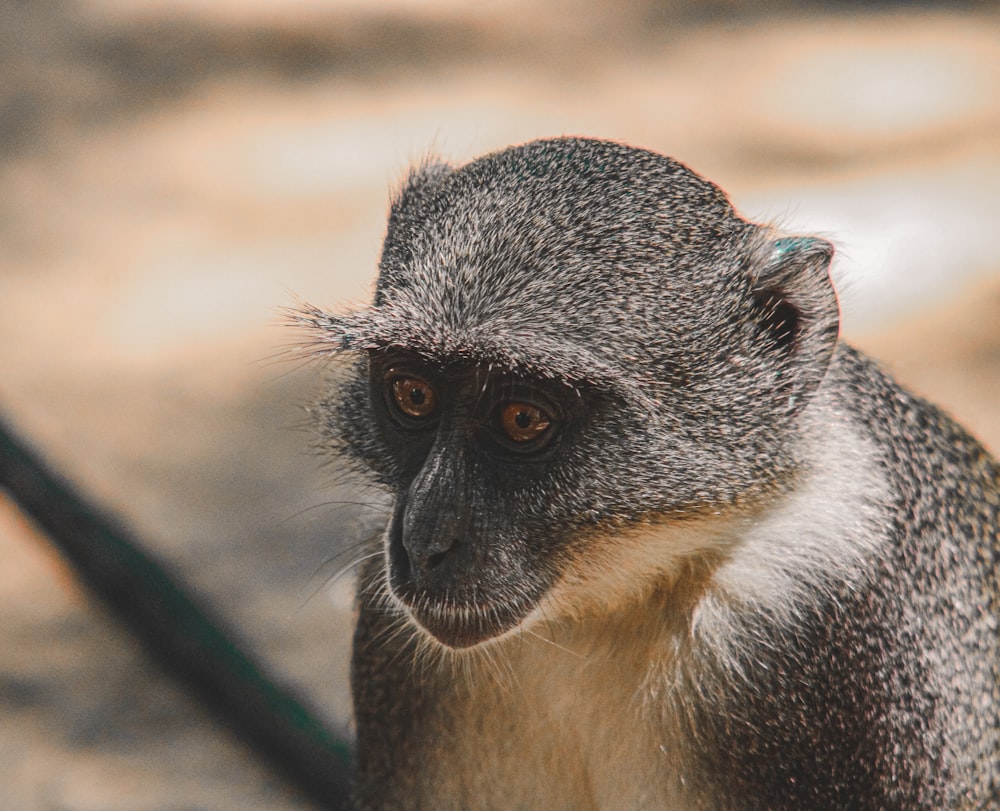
[569,340]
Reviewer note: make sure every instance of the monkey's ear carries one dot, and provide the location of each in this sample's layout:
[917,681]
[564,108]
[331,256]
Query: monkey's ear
[797,310]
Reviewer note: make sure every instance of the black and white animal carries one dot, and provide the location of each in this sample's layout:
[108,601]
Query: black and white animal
[659,539]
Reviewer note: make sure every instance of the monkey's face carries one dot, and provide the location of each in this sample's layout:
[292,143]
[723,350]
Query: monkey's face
[471,546]
[568,339]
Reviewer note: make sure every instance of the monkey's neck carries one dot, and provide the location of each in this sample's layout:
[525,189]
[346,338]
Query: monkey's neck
[755,563]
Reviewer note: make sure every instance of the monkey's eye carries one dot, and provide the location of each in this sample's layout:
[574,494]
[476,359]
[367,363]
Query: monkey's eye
[523,422]
[412,396]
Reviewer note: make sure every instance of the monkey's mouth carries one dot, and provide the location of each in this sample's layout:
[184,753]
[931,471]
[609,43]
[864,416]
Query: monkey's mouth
[460,611]
[464,626]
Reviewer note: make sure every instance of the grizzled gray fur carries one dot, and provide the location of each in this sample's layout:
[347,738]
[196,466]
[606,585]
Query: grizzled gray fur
[659,540]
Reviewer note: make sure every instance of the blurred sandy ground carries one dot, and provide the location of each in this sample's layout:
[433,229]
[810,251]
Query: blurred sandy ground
[173,172]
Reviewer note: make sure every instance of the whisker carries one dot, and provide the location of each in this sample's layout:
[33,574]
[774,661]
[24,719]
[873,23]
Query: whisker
[327,582]
[333,503]
[551,642]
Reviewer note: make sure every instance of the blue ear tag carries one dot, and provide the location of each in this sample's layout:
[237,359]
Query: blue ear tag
[786,244]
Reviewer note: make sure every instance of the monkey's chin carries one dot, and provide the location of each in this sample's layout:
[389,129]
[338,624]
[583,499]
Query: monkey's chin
[461,627]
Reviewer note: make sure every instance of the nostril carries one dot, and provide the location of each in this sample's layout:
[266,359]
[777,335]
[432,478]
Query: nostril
[435,559]
[400,560]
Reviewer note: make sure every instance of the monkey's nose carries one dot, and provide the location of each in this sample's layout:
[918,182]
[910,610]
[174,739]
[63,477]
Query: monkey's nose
[429,540]
[425,557]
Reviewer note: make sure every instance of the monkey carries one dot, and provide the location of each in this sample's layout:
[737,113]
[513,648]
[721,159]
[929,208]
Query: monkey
[658,538]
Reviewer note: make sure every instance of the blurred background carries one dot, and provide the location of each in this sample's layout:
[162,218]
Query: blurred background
[174,172]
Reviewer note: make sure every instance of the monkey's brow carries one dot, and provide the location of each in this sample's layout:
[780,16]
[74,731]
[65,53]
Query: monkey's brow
[529,356]
[483,375]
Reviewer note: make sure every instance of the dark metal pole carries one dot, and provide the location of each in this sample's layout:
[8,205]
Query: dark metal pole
[185,639]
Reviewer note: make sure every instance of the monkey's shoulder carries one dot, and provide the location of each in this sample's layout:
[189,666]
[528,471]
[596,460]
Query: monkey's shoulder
[942,479]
